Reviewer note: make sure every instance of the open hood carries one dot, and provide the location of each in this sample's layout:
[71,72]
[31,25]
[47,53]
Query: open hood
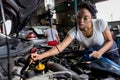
[19,12]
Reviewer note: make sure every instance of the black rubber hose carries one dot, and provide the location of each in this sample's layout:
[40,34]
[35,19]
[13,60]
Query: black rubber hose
[57,67]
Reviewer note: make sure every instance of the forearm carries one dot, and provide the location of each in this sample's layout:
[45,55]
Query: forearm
[108,39]
[106,47]
[57,49]
[54,51]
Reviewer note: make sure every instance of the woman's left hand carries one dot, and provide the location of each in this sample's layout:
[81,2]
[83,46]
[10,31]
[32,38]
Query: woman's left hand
[95,54]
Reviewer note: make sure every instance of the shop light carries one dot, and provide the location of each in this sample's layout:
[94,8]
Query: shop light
[49,4]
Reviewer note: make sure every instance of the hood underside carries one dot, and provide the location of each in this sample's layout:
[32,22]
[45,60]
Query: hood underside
[19,12]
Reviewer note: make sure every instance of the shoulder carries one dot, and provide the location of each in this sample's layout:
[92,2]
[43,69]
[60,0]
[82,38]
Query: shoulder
[100,23]
[71,32]
[47,29]
[72,29]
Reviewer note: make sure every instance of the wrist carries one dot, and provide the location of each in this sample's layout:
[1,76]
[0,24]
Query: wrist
[42,56]
[100,52]
[39,57]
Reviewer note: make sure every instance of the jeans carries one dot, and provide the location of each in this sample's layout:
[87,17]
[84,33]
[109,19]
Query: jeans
[112,53]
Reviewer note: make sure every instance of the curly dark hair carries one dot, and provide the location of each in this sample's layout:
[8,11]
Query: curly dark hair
[89,6]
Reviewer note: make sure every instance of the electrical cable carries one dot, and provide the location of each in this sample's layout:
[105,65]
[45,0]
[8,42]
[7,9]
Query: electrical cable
[7,43]
[50,19]
[49,11]
[21,77]
[75,10]
[3,69]
[54,42]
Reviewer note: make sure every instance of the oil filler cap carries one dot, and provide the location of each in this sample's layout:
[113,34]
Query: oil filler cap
[40,66]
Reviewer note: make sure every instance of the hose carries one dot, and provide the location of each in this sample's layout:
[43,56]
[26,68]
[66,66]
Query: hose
[57,67]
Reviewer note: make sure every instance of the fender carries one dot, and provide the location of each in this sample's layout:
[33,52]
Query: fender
[106,64]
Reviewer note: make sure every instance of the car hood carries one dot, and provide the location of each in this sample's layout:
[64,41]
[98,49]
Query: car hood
[19,12]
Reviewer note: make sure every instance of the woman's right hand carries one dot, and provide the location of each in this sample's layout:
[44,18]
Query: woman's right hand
[35,56]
